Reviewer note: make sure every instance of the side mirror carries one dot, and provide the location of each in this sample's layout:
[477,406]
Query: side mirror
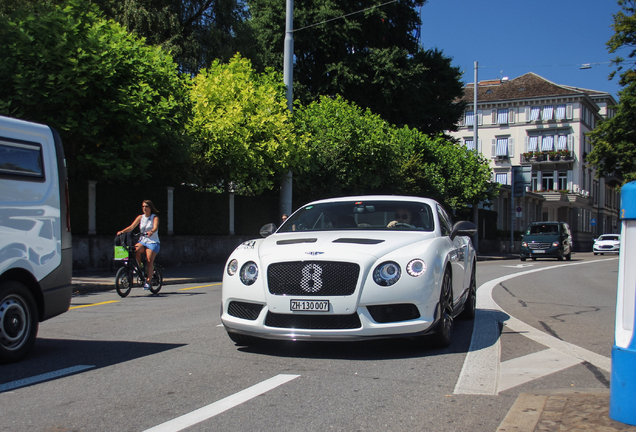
[268,229]
[463,228]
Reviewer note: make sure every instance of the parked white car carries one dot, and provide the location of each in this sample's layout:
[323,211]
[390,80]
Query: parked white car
[607,243]
[353,268]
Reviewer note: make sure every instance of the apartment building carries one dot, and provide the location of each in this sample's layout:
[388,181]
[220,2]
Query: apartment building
[532,122]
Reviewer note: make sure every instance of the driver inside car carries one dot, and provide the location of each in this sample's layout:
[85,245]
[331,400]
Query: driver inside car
[402,216]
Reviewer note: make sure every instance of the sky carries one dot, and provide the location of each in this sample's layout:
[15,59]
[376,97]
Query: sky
[551,38]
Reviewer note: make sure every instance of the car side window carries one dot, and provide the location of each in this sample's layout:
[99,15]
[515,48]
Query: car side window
[445,224]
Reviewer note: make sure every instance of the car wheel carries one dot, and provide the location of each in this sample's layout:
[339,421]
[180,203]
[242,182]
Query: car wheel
[560,256]
[240,339]
[595,253]
[122,282]
[471,301]
[18,321]
[602,254]
[534,259]
[442,336]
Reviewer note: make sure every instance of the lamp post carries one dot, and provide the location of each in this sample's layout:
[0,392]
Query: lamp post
[476,144]
[285,206]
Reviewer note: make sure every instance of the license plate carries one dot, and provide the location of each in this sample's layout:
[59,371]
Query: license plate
[310,305]
[538,251]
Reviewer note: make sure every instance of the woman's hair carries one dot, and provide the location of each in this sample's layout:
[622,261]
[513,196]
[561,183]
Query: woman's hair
[153,209]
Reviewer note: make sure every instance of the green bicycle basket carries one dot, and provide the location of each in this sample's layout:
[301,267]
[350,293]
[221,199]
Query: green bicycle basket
[121,253]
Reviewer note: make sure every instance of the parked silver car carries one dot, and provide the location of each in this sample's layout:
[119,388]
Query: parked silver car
[607,243]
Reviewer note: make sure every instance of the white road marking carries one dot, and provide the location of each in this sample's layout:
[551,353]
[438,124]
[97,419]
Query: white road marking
[519,371]
[42,377]
[218,407]
[480,373]
[519,265]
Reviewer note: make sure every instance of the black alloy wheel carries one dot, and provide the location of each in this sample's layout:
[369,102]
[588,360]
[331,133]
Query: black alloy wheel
[18,321]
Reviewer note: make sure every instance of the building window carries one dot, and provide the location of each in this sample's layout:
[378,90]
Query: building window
[562,142]
[533,144]
[547,181]
[547,143]
[502,116]
[560,112]
[534,113]
[502,148]
[470,144]
[534,183]
[470,118]
[563,180]
[548,112]
[501,178]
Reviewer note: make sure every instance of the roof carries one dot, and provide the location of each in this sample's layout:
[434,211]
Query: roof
[527,86]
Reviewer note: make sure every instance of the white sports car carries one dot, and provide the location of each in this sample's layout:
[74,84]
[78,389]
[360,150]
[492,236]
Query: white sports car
[353,268]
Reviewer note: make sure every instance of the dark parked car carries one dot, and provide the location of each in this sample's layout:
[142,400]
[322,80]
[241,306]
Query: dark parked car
[546,240]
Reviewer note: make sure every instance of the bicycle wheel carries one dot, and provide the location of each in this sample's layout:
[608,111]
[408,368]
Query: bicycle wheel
[123,284]
[157,280]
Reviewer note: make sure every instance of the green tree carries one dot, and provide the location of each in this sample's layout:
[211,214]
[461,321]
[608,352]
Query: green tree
[370,58]
[614,139]
[243,135]
[119,105]
[353,151]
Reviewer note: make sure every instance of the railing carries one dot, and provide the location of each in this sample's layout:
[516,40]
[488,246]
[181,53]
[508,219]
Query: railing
[553,156]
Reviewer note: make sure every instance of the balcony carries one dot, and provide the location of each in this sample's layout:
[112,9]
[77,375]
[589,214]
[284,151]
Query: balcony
[552,156]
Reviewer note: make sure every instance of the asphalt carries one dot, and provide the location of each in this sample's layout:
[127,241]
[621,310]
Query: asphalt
[543,411]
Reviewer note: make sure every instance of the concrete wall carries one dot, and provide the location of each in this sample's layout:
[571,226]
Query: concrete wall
[96,252]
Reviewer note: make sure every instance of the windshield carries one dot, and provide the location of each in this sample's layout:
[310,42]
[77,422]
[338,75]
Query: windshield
[547,229]
[361,215]
[609,237]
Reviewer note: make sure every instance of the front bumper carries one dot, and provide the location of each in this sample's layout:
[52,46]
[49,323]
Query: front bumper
[551,252]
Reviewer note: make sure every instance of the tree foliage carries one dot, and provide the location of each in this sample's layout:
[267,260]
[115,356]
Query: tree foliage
[353,151]
[243,135]
[614,139]
[119,105]
[370,58]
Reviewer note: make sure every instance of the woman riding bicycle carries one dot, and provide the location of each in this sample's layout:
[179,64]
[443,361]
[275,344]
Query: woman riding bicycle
[149,240]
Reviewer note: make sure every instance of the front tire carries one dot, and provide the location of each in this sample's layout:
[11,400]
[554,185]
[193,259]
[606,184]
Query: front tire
[18,321]
[471,302]
[157,280]
[123,284]
[442,336]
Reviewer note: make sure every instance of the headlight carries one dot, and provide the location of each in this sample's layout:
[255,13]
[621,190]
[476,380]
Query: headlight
[386,274]
[555,244]
[524,244]
[249,273]
[416,267]
[232,267]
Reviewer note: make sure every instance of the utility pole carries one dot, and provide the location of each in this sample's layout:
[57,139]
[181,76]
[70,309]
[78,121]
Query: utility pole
[476,144]
[285,205]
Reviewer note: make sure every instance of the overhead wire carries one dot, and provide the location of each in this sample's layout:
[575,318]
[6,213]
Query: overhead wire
[344,16]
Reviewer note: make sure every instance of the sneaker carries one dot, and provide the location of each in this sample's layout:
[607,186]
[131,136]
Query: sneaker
[146,286]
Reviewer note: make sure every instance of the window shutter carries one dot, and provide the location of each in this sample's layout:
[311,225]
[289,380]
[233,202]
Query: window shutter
[511,147]
[493,149]
[525,145]
[480,117]
[479,146]
[569,111]
[571,142]
[570,175]
[511,115]
[493,116]
[527,113]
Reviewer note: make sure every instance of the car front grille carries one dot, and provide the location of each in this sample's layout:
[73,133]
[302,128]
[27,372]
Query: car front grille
[606,247]
[248,311]
[393,313]
[539,245]
[313,278]
[313,322]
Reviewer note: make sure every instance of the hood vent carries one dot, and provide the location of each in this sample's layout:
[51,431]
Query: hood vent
[358,241]
[296,241]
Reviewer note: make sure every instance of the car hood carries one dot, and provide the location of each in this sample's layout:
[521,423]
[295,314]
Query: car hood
[337,245]
[607,242]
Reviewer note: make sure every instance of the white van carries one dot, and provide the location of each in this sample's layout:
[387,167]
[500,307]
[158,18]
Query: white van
[36,259]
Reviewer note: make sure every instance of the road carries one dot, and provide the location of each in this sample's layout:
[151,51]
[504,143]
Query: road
[164,362]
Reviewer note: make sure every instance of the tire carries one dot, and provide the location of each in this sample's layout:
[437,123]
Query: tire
[534,259]
[242,340]
[442,336]
[560,256]
[123,284]
[157,280]
[471,302]
[595,253]
[18,321]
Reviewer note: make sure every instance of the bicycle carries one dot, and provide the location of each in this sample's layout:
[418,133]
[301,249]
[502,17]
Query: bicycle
[132,272]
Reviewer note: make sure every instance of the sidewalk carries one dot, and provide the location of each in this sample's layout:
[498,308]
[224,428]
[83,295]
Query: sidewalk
[562,410]
[104,280]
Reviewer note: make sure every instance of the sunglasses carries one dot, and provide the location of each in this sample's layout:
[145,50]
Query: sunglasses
[402,216]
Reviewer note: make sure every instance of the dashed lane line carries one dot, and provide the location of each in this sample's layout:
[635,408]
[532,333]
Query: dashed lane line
[481,371]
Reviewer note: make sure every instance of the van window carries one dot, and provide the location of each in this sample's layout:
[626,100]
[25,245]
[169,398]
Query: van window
[543,229]
[21,159]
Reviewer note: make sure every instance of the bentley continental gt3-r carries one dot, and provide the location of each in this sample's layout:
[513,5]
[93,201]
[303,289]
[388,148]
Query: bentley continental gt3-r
[353,268]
